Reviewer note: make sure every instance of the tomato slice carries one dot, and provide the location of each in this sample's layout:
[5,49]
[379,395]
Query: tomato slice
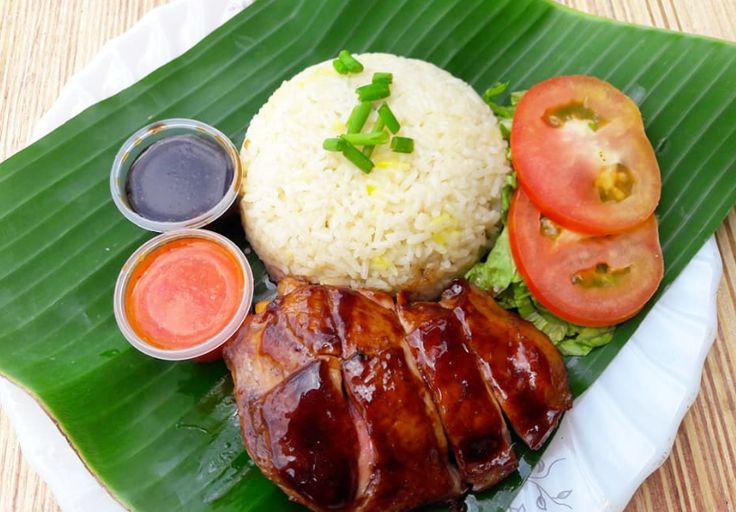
[579,148]
[585,279]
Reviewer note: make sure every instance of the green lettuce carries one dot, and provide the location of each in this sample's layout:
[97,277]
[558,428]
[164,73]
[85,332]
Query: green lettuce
[498,272]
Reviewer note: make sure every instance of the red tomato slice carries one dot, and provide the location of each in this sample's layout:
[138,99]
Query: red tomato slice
[585,279]
[579,148]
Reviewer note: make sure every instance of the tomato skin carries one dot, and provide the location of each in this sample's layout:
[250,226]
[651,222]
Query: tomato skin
[558,166]
[548,266]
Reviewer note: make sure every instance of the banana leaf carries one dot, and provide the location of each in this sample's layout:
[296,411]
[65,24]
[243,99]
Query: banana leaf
[164,436]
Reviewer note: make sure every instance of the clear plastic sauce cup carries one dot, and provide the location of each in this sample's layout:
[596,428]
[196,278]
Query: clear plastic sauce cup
[209,139]
[167,286]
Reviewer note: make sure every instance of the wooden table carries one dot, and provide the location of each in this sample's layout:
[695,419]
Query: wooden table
[43,42]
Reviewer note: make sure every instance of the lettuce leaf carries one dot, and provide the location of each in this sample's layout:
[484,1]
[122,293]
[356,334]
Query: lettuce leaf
[498,272]
[509,185]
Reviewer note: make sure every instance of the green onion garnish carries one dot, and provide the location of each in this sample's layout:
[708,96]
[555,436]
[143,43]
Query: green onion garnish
[333,144]
[340,67]
[378,128]
[351,64]
[402,144]
[389,118]
[359,116]
[374,91]
[383,77]
[361,161]
[379,88]
[366,139]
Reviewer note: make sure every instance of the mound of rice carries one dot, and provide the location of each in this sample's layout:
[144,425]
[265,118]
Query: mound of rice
[415,222]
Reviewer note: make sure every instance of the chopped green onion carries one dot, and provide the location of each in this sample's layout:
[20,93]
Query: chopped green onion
[389,118]
[361,161]
[402,144]
[340,67]
[374,91]
[378,128]
[366,139]
[351,64]
[333,144]
[359,116]
[383,77]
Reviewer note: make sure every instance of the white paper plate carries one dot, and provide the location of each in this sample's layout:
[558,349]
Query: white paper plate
[617,433]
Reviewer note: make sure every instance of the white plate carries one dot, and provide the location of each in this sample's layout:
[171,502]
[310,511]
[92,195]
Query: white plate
[617,433]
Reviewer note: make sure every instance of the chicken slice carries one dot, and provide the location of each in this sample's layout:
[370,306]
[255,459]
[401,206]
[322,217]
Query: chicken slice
[403,445]
[365,321]
[525,370]
[401,462]
[472,419]
[407,464]
[271,346]
[311,437]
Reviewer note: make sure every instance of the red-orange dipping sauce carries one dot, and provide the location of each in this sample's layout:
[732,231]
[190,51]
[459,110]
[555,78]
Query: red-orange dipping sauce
[183,292]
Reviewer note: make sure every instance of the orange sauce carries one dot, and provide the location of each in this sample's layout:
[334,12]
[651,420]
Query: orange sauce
[183,293]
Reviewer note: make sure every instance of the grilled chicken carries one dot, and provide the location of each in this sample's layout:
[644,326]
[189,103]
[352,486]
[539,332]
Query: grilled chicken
[396,456]
[300,418]
[524,369]
[406,451]
[350,403]
[472,419]
[288,387]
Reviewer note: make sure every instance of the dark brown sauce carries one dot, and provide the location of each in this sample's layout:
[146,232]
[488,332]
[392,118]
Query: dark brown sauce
[178,178]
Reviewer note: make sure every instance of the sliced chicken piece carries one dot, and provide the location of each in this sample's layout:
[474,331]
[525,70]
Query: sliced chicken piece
[407,463]
[525,370]
[472,419]
[401,462]
[365,321]
[307,312]
[311,437]
[253,376]
[267,350]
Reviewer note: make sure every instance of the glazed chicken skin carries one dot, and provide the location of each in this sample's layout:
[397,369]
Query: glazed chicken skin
[525,371]
[475,427]
[383,435]
[350,402]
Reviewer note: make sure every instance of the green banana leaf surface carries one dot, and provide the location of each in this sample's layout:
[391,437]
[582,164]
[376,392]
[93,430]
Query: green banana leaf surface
[165,436]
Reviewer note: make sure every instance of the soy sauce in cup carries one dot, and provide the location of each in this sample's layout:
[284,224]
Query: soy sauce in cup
[175,174]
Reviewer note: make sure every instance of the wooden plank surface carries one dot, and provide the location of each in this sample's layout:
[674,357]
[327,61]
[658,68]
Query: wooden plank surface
[43,42]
